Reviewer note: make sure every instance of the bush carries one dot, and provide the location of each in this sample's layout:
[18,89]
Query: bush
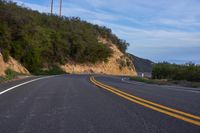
[5,54]
[189,72]
[53,70]
[10,74]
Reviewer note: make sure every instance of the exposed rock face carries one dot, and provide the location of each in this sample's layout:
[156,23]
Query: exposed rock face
[117,64]
[12,64]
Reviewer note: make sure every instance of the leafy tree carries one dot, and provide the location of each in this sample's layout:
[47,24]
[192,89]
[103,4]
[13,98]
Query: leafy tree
[165,70]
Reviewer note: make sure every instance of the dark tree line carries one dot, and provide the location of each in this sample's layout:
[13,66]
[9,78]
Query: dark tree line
[189,72]
[38,39]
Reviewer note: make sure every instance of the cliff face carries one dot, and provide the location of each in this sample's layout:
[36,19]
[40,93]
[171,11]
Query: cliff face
[13,65]
[117,64]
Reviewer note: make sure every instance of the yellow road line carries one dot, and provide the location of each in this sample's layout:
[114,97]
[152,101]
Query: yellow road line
[148,104]
[155,104]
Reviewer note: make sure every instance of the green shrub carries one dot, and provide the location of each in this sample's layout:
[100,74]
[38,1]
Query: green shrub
[10,74]
[189,72]
[53,70]
[5,54]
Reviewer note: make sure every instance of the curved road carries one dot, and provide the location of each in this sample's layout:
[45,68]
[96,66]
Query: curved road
[73,104]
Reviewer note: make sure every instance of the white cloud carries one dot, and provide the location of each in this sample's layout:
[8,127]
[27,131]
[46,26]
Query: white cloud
[155,36]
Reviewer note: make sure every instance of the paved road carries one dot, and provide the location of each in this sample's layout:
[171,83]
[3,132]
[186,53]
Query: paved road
[72,104]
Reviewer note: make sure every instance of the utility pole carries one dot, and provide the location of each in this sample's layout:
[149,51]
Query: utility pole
[60,8]
[51,7]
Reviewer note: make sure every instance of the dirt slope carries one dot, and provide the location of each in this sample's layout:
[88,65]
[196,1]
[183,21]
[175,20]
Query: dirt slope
[12,64]
[117,64]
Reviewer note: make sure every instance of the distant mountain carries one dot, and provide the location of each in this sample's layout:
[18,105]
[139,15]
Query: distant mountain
[141,65]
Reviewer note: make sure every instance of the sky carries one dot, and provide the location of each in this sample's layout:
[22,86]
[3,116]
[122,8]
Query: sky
[159,30]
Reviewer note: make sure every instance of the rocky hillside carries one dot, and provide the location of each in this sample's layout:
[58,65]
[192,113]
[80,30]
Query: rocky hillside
[11,64]
[42,42]
[117,64]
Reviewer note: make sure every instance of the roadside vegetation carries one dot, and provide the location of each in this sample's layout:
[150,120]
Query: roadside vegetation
[188,72]
[167,82]
[140,79]
[53,70]
[10,75]
[39,40]
[187,75]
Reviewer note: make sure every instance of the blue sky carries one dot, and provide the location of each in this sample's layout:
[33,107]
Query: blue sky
[160,30]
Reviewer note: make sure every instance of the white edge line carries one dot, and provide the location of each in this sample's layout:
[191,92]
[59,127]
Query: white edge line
[9,89]
[165,87]
[126,81]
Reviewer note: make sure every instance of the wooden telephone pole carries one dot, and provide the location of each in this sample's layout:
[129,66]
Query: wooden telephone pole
[51,1]
[51,7]
[60,8]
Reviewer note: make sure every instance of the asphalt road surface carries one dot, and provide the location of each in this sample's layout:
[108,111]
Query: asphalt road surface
[73,104]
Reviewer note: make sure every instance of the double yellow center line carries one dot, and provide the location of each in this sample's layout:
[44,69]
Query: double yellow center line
[193,119]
